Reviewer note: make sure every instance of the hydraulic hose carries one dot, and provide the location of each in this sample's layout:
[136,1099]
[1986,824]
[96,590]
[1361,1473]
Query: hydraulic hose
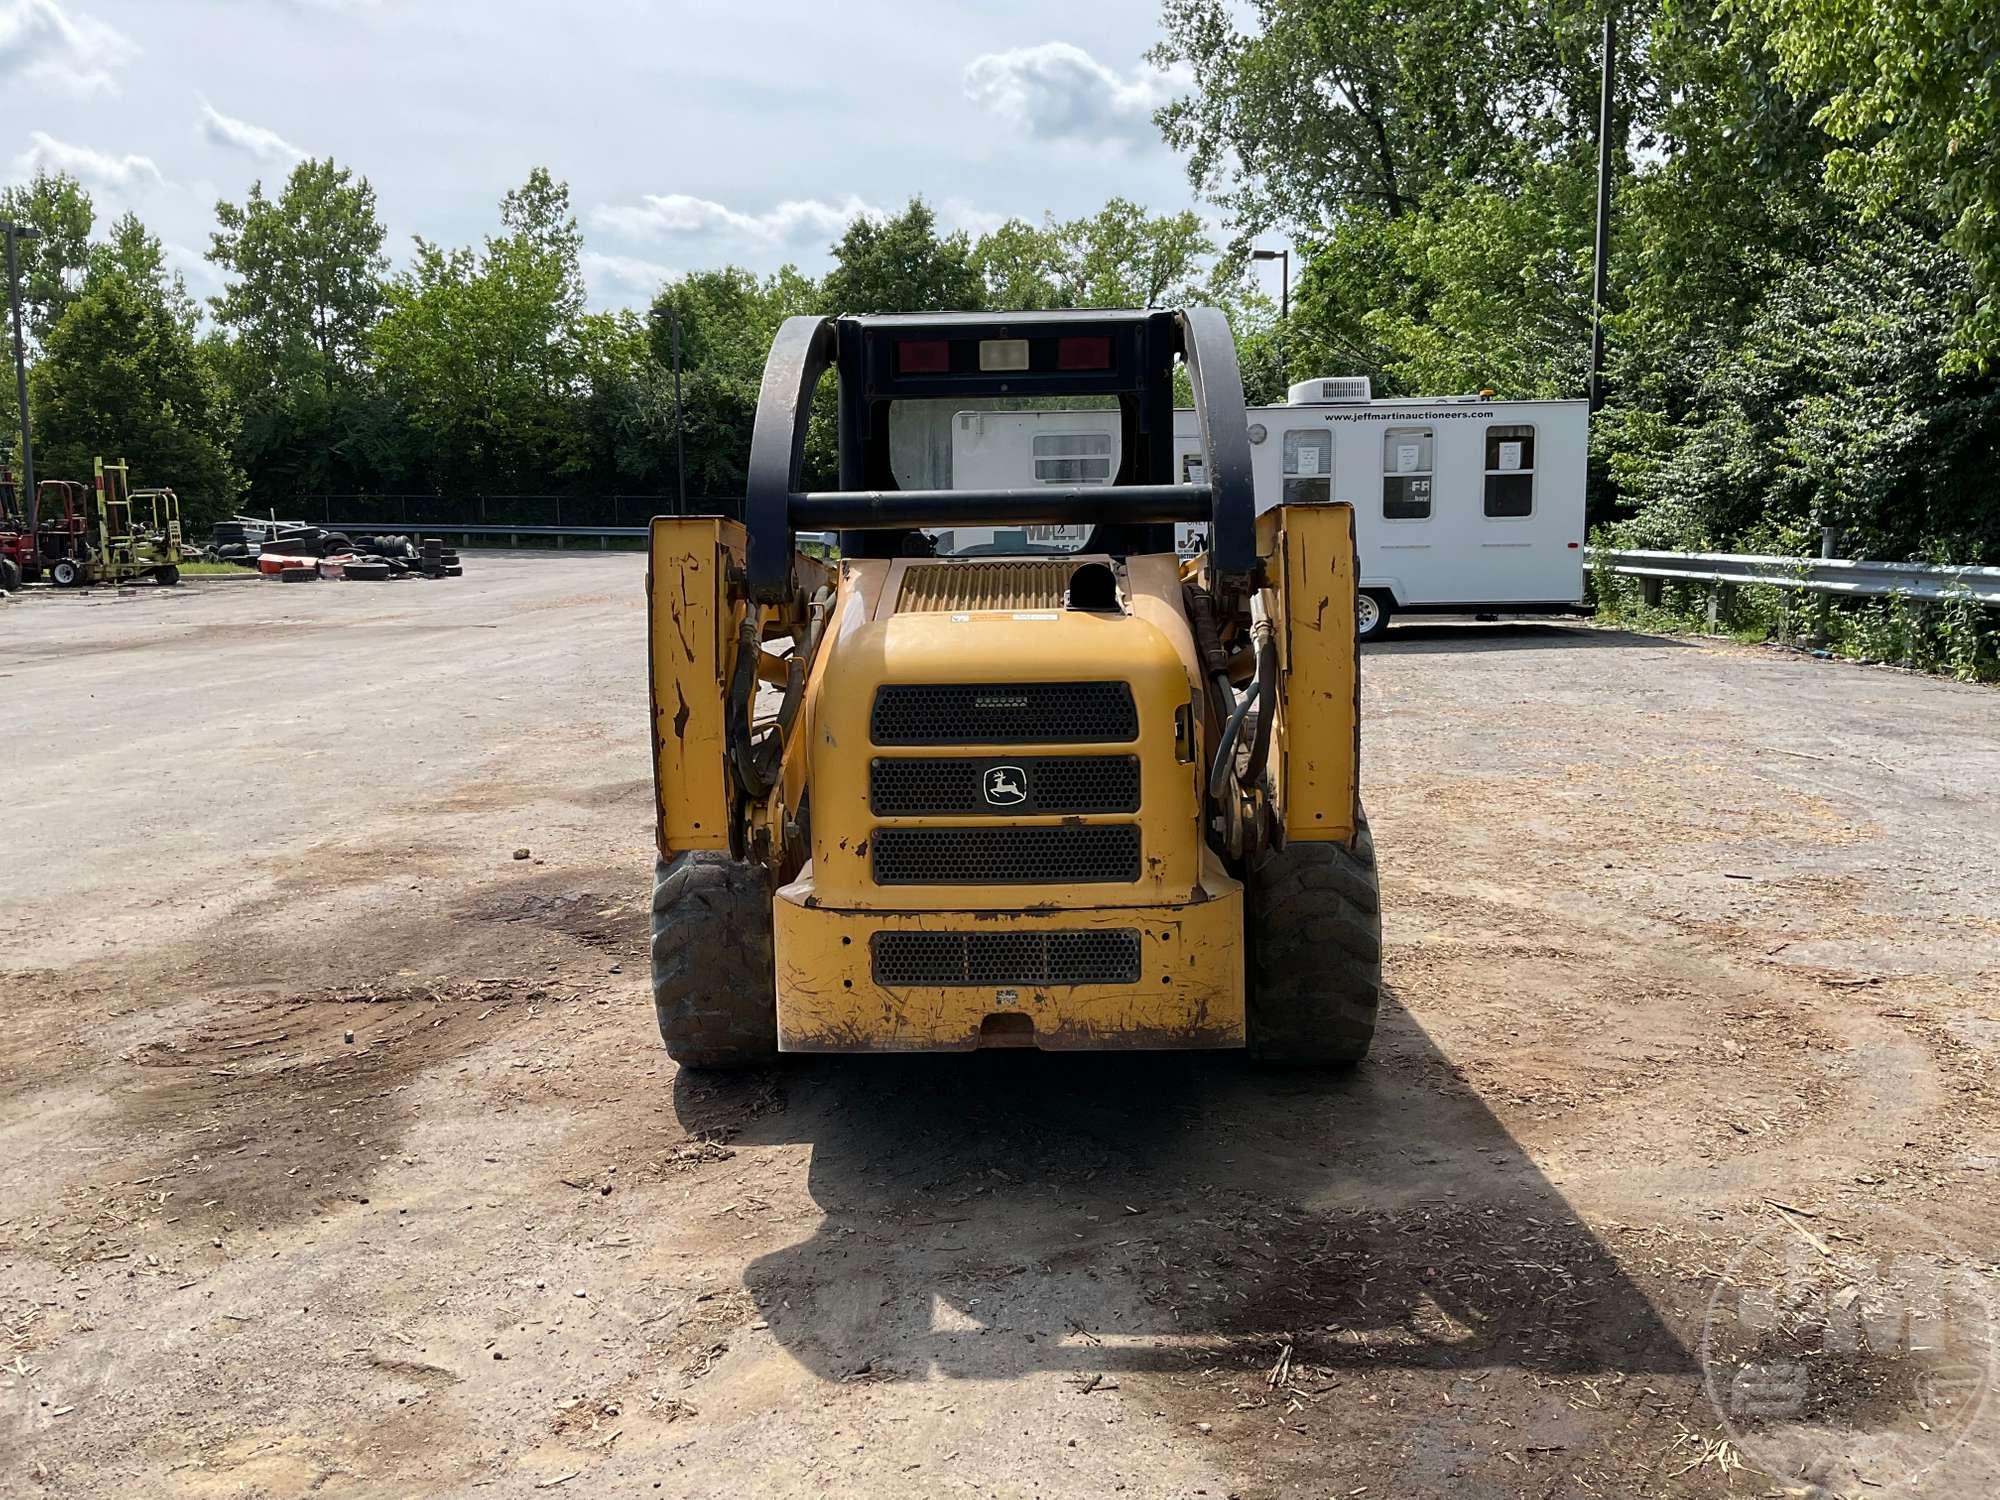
[1265,641]
[1224,764]
[754,759]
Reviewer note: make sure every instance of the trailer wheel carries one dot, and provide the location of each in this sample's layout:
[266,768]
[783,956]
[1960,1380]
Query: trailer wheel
[1315,941]
[714,984]
[67,572]
[10,576]
[1371,614]
[168,576]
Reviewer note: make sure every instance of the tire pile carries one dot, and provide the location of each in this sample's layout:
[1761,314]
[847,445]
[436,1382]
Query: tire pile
[372,559]
[305,554]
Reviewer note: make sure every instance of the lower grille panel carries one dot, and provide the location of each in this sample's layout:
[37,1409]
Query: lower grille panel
[1026,958]
[1095,853]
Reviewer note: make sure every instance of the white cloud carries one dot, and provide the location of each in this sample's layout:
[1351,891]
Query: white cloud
[123,174]
[1058,91]
[616,275]
[676,215]
[241,135]
[958,213]
[202,273]
[46,48]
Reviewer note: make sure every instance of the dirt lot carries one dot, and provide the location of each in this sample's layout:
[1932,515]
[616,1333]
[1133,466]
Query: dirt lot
[338,1154]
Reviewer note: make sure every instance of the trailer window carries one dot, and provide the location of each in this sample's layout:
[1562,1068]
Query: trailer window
[1406,474]
[1308,465]
[1510,471]
[1072,458]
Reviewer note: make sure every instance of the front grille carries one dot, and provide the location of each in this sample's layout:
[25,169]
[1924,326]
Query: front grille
[935,786]
[1006,856]
[936,587]
[1004,713]
[1029,958]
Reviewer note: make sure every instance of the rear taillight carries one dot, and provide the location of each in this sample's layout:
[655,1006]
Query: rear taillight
[1083,354]
[923,357]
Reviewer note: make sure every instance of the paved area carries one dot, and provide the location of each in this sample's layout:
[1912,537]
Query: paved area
[338,1154]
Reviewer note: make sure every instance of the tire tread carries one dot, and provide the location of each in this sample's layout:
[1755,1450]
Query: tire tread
[1315,940]
[714,989]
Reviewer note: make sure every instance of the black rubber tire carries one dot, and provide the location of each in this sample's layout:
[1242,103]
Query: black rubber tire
[714,979]
[334,542]
[67,573]
[365,572]
[1385,606]
[10,576]
[298,575]
[1315,941]
[167,577]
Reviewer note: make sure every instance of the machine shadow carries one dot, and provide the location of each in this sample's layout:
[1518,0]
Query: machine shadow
[1405,639]
[992,1215]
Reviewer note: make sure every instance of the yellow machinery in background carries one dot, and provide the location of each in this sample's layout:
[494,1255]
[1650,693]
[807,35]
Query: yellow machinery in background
[1089,799]
[119,533]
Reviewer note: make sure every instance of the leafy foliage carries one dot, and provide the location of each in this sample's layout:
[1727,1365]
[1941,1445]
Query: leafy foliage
[121,375]
[55,205]
[305,290]
[1910,94]
[1803,256]
[902,264]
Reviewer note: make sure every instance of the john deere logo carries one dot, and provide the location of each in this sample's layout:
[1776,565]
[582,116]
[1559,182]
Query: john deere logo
[1006,786]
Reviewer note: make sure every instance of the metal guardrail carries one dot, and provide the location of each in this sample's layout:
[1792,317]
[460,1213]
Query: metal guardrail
[513,533]
[1819,575]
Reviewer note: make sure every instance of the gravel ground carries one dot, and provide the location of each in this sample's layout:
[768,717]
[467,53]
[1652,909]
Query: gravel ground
[338,1154]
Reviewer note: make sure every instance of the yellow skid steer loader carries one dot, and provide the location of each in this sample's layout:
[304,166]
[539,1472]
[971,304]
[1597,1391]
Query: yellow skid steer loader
[1032,795]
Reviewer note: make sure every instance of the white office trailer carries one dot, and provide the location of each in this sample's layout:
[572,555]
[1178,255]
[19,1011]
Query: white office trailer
[1461,504]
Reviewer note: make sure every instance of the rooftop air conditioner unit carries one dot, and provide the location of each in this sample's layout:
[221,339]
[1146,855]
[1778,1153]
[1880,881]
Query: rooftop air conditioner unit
[1332,390]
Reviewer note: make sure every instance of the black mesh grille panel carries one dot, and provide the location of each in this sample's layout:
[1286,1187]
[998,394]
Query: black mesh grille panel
[1004,713]
[1006,856]
[1032,784]
[1031,958]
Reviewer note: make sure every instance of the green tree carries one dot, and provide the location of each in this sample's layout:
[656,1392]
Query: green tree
[481,354]
[1023,266]
[1120,256]
[1829,410]
[304,288]
[305,275]
[902,264]
[121,375]
[1329,107]
[52,266]
[1908,90]
[1488,288]
[136,254]
[728,318]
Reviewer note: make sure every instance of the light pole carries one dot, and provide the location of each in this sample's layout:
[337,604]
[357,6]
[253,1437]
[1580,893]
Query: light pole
[680,450]
[1600,272]
[1284,258]
[15,233]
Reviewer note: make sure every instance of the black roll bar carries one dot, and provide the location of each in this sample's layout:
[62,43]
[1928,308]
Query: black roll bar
[775,508]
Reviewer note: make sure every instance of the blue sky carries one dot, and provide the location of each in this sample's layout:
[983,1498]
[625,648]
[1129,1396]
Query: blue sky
[690,133]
